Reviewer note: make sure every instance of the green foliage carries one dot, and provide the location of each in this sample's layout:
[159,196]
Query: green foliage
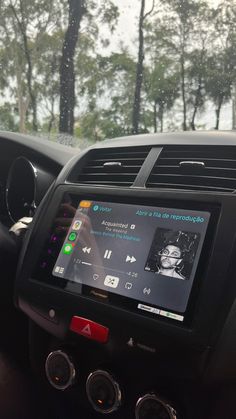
[219,78]
[7,118]
[162,86]
[189,62]
[108,13]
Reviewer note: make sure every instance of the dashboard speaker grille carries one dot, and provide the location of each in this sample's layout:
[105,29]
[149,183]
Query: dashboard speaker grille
[113,166]
[209,168]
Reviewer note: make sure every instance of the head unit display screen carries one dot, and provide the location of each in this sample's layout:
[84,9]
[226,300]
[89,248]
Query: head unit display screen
[147,254]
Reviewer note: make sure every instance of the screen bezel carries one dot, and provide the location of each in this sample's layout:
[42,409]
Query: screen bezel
[125,302]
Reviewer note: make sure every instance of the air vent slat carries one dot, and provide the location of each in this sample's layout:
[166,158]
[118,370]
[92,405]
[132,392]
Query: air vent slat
[100,171]
[199,152]
[224,163]
[195,180]
[101,168]
[108,182]
[93,176]
[189,187]
[113,167]
[217,172]
[123,160]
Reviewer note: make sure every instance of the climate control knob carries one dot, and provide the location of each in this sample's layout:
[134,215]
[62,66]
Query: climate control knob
[151,406]
[103,392]
[60,370]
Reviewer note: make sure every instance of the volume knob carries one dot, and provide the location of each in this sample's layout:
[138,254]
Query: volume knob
[151,406]
[60,370]
[103,392]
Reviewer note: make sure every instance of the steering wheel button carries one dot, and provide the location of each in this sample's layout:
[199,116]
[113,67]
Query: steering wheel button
[89,329]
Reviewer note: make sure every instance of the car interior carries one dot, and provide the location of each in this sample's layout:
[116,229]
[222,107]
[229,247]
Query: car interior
[118,277]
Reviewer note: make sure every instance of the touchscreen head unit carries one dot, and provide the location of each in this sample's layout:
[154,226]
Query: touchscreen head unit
[146,254]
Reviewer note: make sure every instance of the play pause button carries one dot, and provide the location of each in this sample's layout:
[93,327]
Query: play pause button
[107,254]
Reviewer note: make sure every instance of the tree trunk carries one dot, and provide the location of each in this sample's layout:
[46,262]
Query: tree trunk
[50,124]
[234,106]
[183,91]
[139,73]
[161,112]
[67,73]
[22,26]
[29,83]
[155,116]
[52,116]
[196,104]
[218,112]
[22,104]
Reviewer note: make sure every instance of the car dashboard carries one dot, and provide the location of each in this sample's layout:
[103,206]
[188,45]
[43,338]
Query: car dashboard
[127,276]
[28,167]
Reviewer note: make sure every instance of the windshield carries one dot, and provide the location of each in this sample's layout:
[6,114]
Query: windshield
[81,71]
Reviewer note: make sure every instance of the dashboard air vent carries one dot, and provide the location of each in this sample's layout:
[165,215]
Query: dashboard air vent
[113,166]
[209,168]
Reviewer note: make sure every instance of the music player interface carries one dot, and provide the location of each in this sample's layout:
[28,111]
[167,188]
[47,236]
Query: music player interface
[144,253]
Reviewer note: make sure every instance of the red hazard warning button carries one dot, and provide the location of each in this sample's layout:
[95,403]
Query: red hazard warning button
[89,329]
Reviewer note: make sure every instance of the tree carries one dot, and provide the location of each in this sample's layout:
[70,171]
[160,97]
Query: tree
[48,74]
[139,67]
[13,66]
[7,119]
[221,73]
[25,12]
[12,79]
[197,78]
[219,82]
[107,13]
[121,78]
[202,36]
[77,8]
[23,23]
[162,86]
[186,58]
[106,85]
[178,24]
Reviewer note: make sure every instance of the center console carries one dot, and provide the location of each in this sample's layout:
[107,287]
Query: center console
[131,256]
[120,257]
[132,288]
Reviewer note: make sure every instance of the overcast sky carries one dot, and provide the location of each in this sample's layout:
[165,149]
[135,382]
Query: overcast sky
[129,12]
[127,31]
